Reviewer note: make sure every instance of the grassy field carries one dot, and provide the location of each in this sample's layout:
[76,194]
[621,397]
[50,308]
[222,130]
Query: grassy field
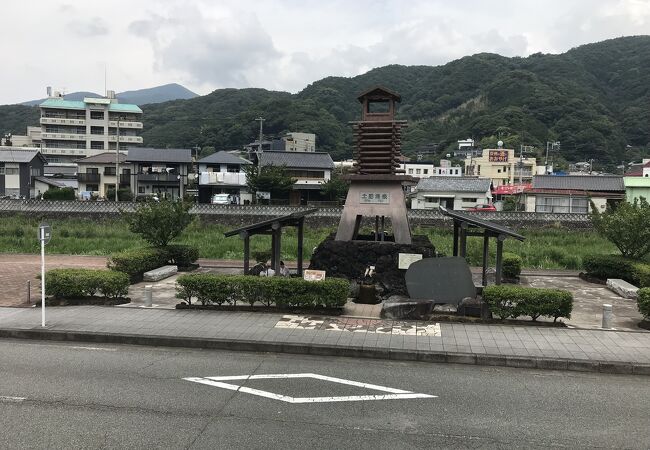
[550,249]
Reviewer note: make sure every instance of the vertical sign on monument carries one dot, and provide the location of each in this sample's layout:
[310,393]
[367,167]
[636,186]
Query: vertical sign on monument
[44,235]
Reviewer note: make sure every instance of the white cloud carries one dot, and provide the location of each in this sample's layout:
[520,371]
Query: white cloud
[281,44]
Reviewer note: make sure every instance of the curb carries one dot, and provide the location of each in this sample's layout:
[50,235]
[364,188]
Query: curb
[576,365]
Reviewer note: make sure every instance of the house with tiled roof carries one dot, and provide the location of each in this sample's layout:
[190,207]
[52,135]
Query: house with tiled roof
[573,193]
[18,169]
[452,192]
[223,173]
[310,170]
[160,172]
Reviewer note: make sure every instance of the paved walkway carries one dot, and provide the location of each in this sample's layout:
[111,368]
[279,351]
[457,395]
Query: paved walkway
[521,346]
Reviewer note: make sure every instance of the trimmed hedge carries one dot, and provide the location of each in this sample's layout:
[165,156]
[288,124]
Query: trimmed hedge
[643,302]
[76,283]
[511,265]
[135,262]
[617,266]
[515,301]
[282,292]
[181,255]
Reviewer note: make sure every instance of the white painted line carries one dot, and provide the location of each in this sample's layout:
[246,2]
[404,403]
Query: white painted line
[8,399]
[393,393]
[96,348]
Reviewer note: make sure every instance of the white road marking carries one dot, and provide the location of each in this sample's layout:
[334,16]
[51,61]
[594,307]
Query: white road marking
[96,348]
[8,399]
[394,393]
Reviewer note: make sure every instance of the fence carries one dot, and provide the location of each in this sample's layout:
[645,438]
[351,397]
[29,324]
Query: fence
[237,214]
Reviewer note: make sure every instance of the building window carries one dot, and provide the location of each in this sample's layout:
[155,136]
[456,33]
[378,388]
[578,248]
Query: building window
[498,170]
[11,171]
[417,171]
[425,171]
[140,189]
[94,170]
[578,205]
[2,170]
[469,200]
[232,168]
[97,115]
[35,172]
[92,187]
[109,170]
[411,171]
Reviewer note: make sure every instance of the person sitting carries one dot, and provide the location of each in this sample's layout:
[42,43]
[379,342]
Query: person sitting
[268,271]
[284,272]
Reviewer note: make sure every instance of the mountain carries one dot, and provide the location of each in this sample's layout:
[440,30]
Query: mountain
[164,93]
[595,99]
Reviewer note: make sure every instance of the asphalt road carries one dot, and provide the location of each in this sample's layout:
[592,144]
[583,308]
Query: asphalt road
[56,395]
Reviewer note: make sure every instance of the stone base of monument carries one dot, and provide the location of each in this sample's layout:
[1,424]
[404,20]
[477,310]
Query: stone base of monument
[349,259]
[400,307]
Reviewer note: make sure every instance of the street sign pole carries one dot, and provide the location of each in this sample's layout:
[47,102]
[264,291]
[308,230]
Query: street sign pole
[44,235]
[42,231]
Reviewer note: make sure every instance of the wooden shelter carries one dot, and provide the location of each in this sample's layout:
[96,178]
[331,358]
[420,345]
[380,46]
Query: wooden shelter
[274,228]
[466,225]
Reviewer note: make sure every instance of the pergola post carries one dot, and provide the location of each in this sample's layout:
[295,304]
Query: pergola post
[455,238]
[247,250]
[463,239]
[277,247]
[301,225]
[486,257]
[499,261]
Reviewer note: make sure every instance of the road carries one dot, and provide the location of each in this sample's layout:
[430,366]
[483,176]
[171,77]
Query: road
[55,395]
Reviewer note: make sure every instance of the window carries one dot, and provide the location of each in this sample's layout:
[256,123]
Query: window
[35,172]
[232,168]
[425,171]
[469,200]
[109,170]
[411,171]
[140,189]
[94,170]
[92,187]
[417,171]
[378,106]
[2,169]
[579,205]
[498,170]
[97,130]
[98,115]
[430,199]
[479,170]
[11,171]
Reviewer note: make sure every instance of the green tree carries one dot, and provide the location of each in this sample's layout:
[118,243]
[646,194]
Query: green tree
[336,188]
[123,195]
[158,223]
[273,179]
[66,193]
[627,227]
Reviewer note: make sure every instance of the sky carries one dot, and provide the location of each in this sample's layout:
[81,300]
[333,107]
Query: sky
[278,44]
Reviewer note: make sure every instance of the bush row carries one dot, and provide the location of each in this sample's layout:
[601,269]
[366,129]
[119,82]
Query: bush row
[279,291]
[515,301]
[135,262]
[511,265]
[616,266]
[76,283]
[643,302]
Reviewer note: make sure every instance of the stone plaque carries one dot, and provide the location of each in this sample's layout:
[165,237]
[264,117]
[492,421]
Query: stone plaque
[406,259]
[313,275]
[382,198]
[443,280]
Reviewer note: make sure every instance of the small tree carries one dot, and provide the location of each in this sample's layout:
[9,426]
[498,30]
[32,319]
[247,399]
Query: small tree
[160,222]
[627,227]
[273,179]
[66,193]
[123,195]
[335,188]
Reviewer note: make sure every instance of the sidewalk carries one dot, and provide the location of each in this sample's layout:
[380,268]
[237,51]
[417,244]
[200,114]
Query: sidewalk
[499,345]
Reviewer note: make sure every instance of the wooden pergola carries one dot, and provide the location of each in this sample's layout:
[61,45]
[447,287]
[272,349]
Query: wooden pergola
[273,227]
[466,225]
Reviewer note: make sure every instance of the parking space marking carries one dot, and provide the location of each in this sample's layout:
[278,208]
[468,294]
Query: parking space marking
[8,399]
[392,393]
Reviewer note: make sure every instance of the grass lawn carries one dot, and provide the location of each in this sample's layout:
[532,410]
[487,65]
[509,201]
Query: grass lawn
[548,248]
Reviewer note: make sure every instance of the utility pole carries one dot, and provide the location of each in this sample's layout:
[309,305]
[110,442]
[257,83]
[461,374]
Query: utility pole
[553,145]
[259,147]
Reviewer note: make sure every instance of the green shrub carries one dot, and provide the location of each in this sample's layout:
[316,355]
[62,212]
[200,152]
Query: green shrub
[182,255]
[281,291]
[643,302]
[66,193]
[515,301]
[627,226]
[511,265]
[76,283]
[158,223]
[123,195]
[137,261]
[616,266]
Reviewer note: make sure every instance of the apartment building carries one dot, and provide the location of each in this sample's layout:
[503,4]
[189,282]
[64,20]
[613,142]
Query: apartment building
[501,166]
[75,129]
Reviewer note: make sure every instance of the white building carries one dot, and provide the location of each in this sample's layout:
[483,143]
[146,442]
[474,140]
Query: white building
[447,170]
[451,192]
[418,169]
[223,173]
[75,129]
[299,142]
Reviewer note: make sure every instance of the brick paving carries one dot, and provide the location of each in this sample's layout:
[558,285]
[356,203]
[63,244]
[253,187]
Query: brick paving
[589,346]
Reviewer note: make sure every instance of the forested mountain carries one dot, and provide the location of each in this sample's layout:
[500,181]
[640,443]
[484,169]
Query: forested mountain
[595,99]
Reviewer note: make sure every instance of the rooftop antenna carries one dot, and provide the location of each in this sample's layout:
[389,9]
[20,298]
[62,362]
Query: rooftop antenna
[105,85]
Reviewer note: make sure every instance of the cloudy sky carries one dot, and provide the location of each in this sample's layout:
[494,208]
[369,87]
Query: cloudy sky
[279,44]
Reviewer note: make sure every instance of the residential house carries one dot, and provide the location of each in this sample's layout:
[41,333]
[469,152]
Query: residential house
[637,181]
[310,169]
[223,173]
[18,168]
[572,193]
[162,172]
[96,174]
[43,184]
[501,166]
[451,192]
